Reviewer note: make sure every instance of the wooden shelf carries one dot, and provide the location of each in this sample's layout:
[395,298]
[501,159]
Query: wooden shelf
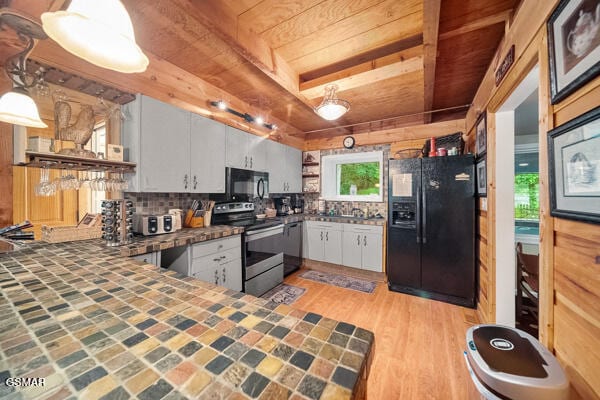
[60,161]
[310,164]
[310,175]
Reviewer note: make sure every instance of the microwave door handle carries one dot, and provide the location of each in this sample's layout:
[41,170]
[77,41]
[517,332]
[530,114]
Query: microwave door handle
[260,188]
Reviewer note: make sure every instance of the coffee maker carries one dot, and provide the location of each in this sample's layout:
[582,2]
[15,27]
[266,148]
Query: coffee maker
[282,205]
[297,204]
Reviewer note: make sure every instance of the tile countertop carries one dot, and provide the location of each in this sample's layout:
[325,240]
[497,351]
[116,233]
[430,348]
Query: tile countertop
[326,218]
[96,324]
[148,244]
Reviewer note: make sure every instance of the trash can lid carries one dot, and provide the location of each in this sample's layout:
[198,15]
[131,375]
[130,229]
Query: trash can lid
[504,350]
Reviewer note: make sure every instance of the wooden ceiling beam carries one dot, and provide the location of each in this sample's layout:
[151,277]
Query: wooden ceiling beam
[223,22]
[501,17]
[166,82]
[431,24]
[366,73]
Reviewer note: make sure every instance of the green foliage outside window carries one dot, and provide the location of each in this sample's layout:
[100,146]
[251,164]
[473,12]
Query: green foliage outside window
[527,196]
[364,176]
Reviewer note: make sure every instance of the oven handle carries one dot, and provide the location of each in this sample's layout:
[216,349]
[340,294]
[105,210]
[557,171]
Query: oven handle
[261,233]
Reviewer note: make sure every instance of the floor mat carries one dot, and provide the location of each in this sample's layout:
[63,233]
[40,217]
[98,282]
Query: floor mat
[340,280]
[284,294]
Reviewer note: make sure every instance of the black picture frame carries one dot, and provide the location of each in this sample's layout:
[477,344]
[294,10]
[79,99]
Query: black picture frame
[573,50]
[481,172]
[574,168]
[481,135]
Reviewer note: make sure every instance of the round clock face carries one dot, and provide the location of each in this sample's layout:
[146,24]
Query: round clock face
[348,142]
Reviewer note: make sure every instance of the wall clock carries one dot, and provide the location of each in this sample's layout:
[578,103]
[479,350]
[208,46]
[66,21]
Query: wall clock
[348,142]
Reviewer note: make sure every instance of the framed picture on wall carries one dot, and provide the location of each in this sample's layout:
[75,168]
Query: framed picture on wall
[573,46]
[481,169]
[574,157]
[481,135]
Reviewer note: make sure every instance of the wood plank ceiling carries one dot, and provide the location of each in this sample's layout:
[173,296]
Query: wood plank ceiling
[391,58]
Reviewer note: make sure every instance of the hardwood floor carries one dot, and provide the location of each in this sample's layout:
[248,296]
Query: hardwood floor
[419,343]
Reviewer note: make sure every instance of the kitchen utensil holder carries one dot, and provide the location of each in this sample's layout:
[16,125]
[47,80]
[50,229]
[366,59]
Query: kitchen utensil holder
[117,222]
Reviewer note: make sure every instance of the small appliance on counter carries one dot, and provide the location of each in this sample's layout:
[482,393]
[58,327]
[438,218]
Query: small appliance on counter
[117,222]
[297,204]
[147,225]
[282,205]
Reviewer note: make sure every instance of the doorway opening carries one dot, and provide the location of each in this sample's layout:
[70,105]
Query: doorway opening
[517,205]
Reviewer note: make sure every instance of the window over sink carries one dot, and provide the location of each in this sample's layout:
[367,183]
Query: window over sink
[353,176]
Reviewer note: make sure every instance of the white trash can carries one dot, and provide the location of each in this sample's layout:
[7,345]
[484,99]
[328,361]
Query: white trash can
[507,363]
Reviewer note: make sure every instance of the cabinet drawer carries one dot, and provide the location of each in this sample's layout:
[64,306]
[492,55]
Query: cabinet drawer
[332,226]
[357,228]
[214,260]
[213,246]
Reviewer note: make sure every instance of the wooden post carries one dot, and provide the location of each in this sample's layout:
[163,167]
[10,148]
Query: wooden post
[6,160]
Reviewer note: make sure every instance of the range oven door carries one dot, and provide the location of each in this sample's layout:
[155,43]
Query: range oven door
[243,184]
[263,259]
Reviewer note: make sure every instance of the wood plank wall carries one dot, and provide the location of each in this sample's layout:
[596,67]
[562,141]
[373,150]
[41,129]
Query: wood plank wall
[569,250]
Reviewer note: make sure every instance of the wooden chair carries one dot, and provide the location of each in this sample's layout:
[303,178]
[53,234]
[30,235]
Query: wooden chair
[527,281]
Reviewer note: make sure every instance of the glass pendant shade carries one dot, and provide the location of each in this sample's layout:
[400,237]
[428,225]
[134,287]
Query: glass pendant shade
[16,107]
[331,108]
[100,32]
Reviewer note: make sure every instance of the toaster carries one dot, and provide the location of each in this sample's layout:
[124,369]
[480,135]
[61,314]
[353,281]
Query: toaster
[147,225]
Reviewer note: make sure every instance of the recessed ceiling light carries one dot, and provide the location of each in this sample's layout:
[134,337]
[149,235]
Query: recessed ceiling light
[259,120]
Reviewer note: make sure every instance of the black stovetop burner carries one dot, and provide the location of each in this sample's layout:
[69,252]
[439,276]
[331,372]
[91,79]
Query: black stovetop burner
[254,223]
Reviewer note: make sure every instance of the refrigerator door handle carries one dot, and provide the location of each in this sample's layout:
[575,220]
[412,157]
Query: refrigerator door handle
[424,218]
[418,224]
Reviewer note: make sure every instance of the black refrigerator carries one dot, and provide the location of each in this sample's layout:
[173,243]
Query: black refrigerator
[431,235]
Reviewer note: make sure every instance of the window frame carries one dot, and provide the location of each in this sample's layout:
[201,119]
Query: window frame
[330,188]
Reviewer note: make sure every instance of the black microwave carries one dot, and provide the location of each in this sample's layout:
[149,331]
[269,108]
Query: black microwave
[246,185]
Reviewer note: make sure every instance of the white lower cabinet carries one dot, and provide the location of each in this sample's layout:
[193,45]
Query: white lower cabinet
[363,247]
[352,245]
[216,261]
[324,241]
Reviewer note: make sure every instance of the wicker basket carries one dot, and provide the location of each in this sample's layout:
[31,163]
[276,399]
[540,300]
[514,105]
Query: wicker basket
[58,234]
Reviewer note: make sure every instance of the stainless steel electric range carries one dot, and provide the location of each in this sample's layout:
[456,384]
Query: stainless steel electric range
[262,245]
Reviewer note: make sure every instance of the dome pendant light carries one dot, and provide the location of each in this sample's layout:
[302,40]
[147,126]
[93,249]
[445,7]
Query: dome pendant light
[331,108]
[100,32]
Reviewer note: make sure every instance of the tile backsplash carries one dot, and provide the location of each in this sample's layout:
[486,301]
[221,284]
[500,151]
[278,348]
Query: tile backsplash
[161,203]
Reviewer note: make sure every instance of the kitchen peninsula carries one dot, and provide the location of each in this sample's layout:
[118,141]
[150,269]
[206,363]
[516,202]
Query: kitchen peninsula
[96,324]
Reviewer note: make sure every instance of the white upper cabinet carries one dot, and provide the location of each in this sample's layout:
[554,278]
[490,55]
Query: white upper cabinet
[175,150]
[157,134]
[245,150]
[284,164]
[207,166]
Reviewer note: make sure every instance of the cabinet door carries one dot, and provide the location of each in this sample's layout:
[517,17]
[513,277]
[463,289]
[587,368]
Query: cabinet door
[352,244]
[316,239]
[294,170]
[372,251]
[276,162]
[236,149]
[165,152]
[231,274]
[210,275]
[332,246]
[207,160]
[257,154]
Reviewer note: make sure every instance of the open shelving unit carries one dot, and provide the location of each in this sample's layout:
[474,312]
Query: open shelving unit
[311,171]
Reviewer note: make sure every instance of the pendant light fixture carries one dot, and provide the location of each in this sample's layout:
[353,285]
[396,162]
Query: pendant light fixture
[16,106]
[100,32]
[331,108]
